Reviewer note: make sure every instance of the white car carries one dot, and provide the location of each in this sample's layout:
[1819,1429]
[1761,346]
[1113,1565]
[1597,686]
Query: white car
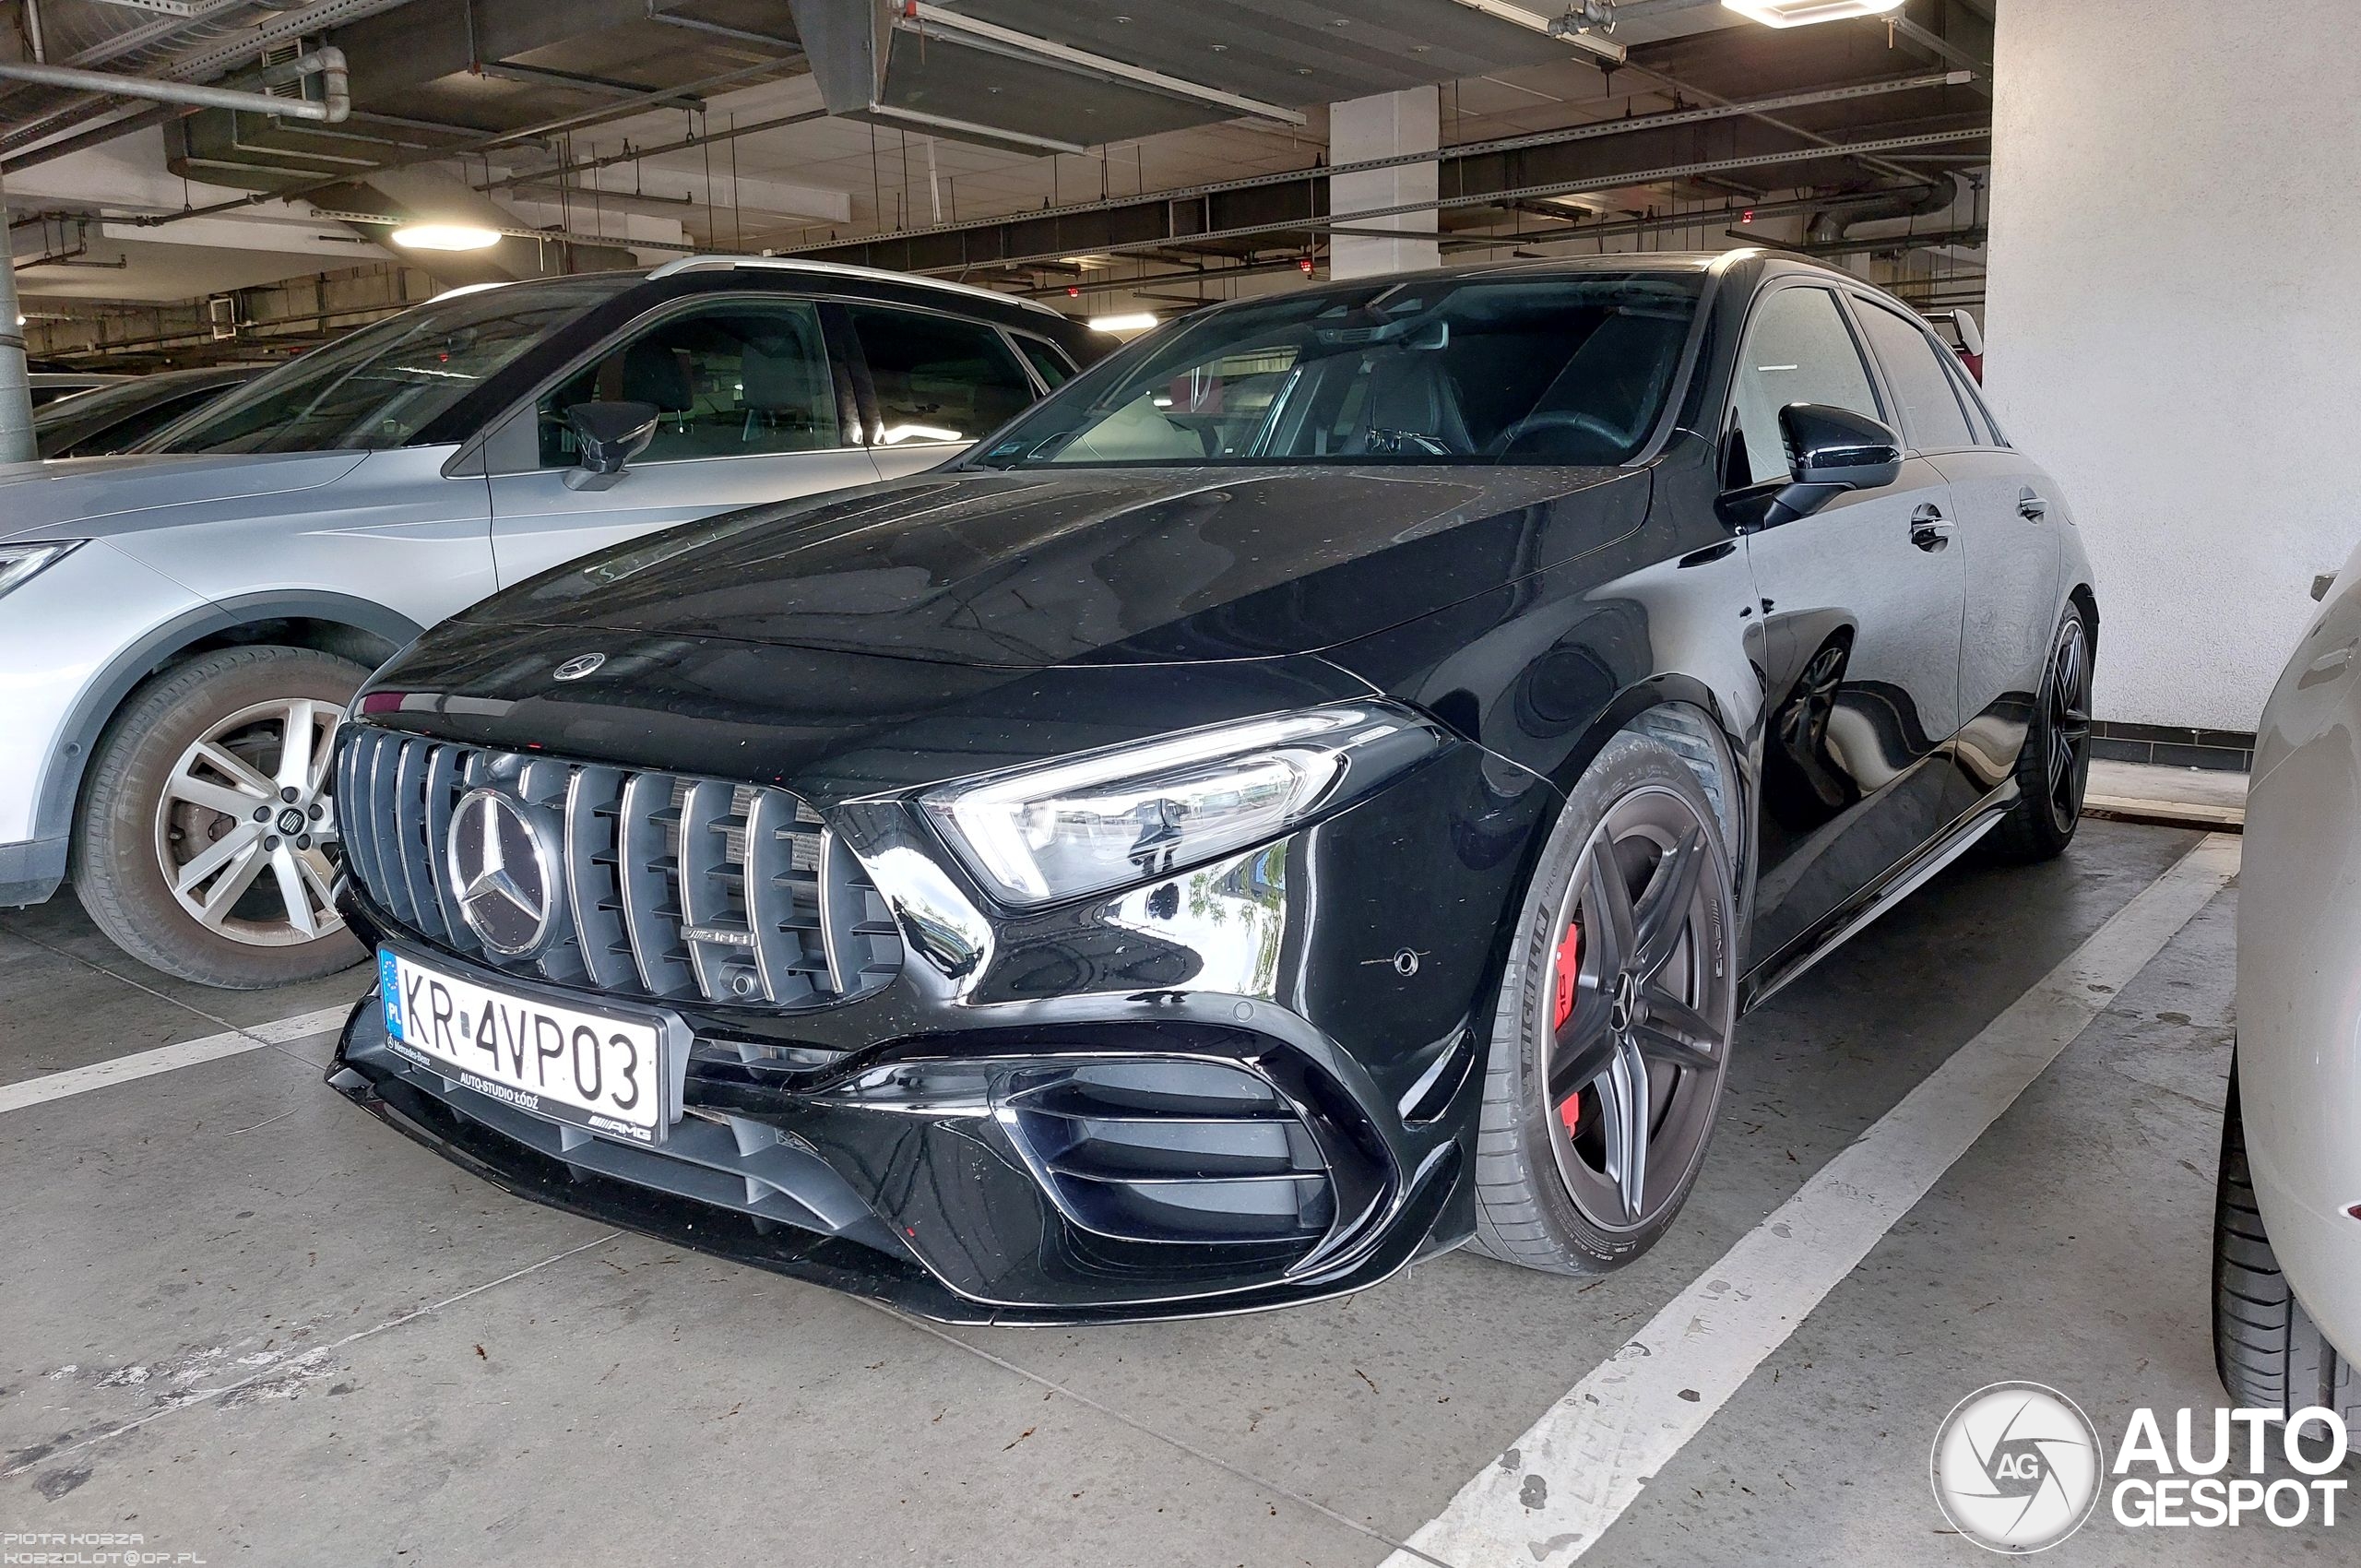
[2287,1218]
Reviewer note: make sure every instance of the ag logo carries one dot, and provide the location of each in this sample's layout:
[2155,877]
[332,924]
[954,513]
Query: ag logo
[2016,1468]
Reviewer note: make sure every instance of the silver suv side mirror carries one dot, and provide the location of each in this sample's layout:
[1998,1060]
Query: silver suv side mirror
[606,437]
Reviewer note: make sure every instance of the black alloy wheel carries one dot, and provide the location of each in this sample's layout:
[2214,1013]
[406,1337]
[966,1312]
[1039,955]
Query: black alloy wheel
[1624,999]
[2054,766]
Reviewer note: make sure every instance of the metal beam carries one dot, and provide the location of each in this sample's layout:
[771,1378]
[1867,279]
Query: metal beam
[1555,188]
[1592,130]
[991,38]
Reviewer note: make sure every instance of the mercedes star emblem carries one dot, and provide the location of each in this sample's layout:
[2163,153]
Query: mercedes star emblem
[501,872]
[581,664]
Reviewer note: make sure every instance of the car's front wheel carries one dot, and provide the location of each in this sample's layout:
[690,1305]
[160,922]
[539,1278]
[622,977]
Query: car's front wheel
[1614,1027]
[202,845]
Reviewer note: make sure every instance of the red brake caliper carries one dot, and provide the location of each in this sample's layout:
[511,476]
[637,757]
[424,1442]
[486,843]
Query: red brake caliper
[1567,971]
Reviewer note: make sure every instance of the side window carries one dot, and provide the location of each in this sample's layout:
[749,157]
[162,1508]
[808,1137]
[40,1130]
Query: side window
[735,378]
[937,379]
[1048,360]
[1979,414]
[1931,419]
[1797,350]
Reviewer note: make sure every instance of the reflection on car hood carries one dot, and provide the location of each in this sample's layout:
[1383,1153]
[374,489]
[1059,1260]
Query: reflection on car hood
[89,497]
[1105,565]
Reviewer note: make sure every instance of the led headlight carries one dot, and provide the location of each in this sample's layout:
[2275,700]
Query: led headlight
[19,562]
[1104,819]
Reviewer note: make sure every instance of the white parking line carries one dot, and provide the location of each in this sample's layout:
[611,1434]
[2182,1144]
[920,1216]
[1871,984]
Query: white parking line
[165,1058]
[1594,1450]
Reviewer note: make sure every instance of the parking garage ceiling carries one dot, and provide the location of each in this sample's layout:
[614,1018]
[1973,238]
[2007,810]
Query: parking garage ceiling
[1037,146]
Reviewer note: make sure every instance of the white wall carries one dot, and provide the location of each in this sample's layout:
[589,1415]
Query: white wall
[2174,321]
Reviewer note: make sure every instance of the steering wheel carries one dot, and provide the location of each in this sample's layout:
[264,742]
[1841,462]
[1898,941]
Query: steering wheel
[1580,420]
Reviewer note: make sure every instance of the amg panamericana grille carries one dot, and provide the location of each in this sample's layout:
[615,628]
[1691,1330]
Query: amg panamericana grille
[664,886]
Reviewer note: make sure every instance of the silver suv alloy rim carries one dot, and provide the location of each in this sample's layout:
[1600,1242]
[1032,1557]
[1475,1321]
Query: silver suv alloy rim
[244,822]
[1634,1070]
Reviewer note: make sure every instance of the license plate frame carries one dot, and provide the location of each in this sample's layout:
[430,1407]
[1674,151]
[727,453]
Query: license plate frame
[664,1036]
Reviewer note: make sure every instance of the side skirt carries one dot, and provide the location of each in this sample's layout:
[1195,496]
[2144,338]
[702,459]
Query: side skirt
[1898,886]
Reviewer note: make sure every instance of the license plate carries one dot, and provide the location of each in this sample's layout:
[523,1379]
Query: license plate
[604,1071]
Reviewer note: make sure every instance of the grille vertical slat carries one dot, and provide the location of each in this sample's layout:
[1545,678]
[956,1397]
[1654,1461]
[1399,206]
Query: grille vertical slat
[352,818]
[751,872]
[442,804]
[593,805]
[646,867]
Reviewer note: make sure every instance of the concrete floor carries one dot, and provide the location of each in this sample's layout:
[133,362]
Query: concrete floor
[245,1321]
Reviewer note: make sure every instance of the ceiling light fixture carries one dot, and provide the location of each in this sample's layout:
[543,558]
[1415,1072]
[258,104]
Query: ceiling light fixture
[1803,13]
[445,237]
[1139,323]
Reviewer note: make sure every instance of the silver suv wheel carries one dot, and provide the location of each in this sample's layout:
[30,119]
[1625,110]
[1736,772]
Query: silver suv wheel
[202,842]
[244,820]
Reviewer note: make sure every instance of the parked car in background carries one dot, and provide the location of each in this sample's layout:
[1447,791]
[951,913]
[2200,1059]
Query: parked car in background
[122,414]
[184,625]
[49,385]
[2287,1218]
[1322,786]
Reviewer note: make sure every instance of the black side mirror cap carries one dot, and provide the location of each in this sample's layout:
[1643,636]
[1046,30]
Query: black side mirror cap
[607,436]
[1830,451]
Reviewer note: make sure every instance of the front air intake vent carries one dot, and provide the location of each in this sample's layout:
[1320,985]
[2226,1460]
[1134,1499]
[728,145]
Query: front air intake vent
[664,886]
[1173,1151]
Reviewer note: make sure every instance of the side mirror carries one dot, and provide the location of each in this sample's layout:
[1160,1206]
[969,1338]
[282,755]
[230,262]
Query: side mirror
[1831,451]
[606,437]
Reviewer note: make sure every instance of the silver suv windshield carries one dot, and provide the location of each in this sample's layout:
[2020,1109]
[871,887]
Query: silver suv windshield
[1486,369]
[382,385]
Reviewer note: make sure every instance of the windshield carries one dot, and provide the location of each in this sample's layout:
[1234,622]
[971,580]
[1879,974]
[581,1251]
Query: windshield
[382,385]
[1476,369]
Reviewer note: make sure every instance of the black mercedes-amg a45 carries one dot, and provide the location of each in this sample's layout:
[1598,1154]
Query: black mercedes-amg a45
[1319,789]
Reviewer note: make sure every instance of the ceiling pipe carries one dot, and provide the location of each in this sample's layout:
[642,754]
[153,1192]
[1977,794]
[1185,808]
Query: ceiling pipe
[334,104]
[1830,227]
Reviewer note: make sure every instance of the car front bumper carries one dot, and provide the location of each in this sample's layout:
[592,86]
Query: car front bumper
[1256,1089]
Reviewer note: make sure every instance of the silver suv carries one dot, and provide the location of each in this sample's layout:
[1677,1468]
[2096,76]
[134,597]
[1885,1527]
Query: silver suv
[180,629]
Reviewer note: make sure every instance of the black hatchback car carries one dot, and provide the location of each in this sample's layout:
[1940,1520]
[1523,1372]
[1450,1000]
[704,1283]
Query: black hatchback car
[1318,788]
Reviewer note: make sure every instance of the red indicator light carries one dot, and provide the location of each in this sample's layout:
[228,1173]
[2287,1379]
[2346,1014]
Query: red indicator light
[1747,217]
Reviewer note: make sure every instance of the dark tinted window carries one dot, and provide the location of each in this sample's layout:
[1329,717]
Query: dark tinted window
[121,435]
[381,386]
[937,379]
[735,378]
[1048,360]
[1919,380]
[1797,350]
[1529,370]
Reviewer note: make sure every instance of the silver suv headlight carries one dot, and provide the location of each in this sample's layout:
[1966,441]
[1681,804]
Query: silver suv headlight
[1101,820]
[19,562]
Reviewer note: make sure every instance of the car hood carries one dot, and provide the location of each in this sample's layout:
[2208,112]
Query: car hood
[92,497]
[1107,565]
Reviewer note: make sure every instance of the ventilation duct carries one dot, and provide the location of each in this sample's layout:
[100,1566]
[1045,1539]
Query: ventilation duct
[1832,227]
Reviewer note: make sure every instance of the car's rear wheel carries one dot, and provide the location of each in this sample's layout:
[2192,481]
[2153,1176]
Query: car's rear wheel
[2270,1354]
[202,846]
[1614,1026]
[2054,766]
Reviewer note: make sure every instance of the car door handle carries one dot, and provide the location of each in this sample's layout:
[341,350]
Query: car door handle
[1930,530]
[2031,507]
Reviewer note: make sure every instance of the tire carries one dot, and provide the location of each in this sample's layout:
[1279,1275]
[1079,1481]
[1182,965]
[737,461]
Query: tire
[2054,764]
[1551,1194]
[180,770]
[2269,1353]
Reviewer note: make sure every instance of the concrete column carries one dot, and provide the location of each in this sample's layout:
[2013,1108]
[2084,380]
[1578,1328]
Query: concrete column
[16,395]
[1390,123]
[2171,324]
